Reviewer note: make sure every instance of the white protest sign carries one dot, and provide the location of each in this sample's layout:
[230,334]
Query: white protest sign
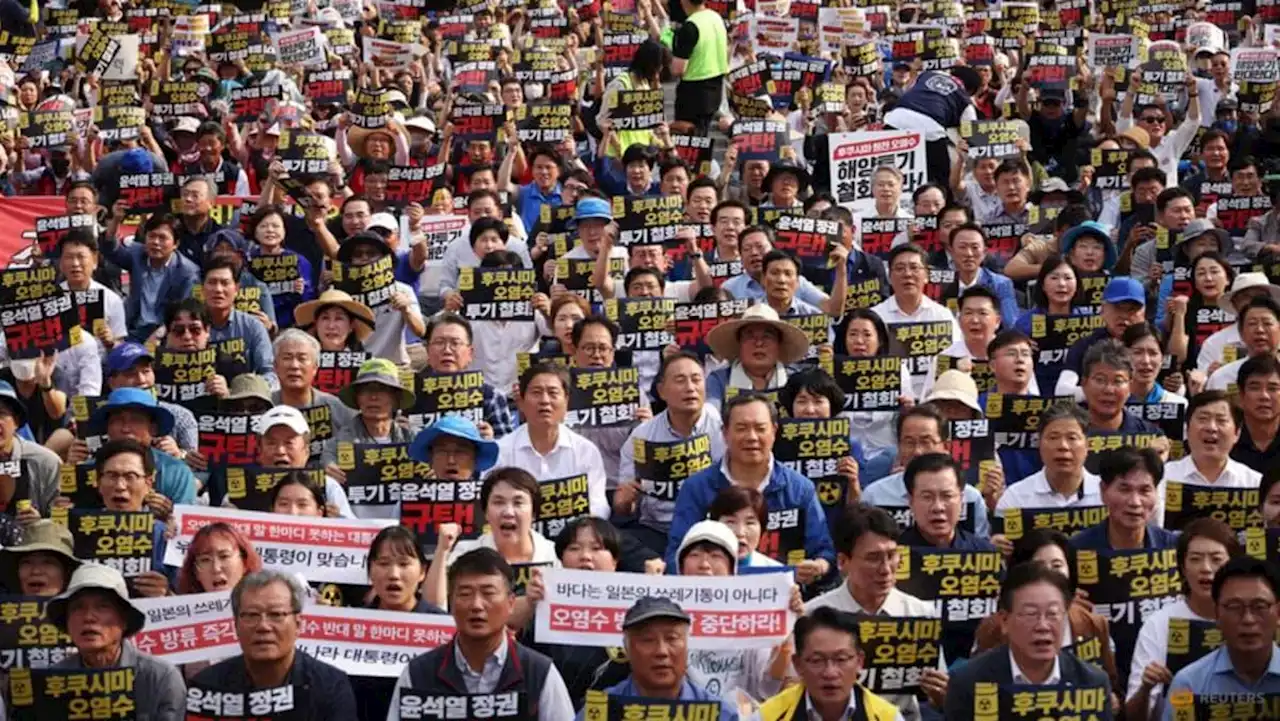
[1254,65]
[1206,35]
[189,34]
[348,9]
[369,642]
[326,550]
[586,608]
[183,629]
[1110,51]
[1271,34]
[835,24]
[125,64]
[301,47]
[777,35]
[387,53]
[441,231]
[855,157]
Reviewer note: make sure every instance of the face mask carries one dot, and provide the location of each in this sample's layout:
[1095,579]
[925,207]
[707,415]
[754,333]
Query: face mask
[60,165]
[1226,126]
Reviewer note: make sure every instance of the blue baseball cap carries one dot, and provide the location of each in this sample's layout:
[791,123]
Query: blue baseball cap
[592,209]
[1091,229]
[458,427]
[125,356]
[1123,289]
[134,399]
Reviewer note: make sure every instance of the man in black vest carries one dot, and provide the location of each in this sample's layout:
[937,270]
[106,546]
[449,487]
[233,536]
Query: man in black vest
[934,105]
[482,659]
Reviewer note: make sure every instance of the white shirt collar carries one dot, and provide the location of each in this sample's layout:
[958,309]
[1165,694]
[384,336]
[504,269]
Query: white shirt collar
[724,468]
[1055,676]
[848,712]
[524,440]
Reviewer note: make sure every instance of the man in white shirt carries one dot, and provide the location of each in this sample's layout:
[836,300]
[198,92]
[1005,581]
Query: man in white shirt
[1244,288]
[77,261]
[1213,428]
[1063,482]
[1155,119]
[544,446]
[908,274]
[1259,326]
[868,553]
[979,321]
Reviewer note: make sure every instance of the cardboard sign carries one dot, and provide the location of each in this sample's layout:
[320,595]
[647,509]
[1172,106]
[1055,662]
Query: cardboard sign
[855,157]
[27,638]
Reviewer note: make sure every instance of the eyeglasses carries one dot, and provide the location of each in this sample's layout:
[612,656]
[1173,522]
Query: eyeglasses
[913,268]
[818,662]
[193,329]
[449,344]
[129,477]
[273,618]
[595,348]
[1153,119]
[1258,608]
[1053,614]
[207,561]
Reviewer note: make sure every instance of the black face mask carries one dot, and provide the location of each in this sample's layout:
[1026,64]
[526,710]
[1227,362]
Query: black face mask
[60,166]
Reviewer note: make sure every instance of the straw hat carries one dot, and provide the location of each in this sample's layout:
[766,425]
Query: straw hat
[956,386]
[1245,281]
[723,339]
[43,535]
[358,136]
[304,315]
[95,577]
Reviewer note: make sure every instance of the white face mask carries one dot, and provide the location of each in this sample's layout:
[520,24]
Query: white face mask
[23,370]
[532,91]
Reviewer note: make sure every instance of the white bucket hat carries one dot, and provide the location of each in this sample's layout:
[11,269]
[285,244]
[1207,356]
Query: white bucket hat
[96,577]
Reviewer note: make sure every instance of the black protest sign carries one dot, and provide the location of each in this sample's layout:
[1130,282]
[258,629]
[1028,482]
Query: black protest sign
[991,138]
[878,234]
[51,229]
[429,502]
[280,273]
[922,341]
[1107,441]
[809,239]
[14,48]
[782,537]
[1190,640]
[759,139]
[1111,168]
[328,87]
[497,293]
[180,375]
[28,639]
[636,109]
[560,500]
[1017,521]
[603,706]
[750,107]
[814,448]
[1170,418]
[1004,239]
[869,383]
[474,76]
[413,184]
[123,540]
[47,128]
[178,98]
[795,73]
[281,703]
[816,328]
[437,395]
[966,582]
[96,54]
[544,122]
[228,439]
[1051,70]
[897,651]
[415,704]
[337,369]
[370,109]
[1184,503]
[972,445]
[1128,587]
[82,409]
[647,220]
[146,193]
[828,98]
[1235,212]
[249,487]
[695,150]
[695,320]
[371,284]
[1055,334]
[70,693]
[80,484]
[321,422]
[250,102]
[619,49]
[575,275]
[662,467]
[303,153]
[862,59]
[603,396]
[536,65]
[1015,420]
[118,122]
[642,322]
[478,122]
[563,86]
[37,316]
[1040,702]
[380,474]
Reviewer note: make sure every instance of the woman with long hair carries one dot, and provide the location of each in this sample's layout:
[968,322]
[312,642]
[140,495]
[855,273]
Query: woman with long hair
[1204,312]
[1146,346]
[219,556]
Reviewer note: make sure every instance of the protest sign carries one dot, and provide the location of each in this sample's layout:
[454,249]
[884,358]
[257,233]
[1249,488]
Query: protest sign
[328,550]
[501,294]
[992,138]
[303,47]
[694,150]
[1017,521]
[814,448]
[370,642]
[118,122]
[560,500]
[329,86]
[117,539]
[28,639]
[229,439]
[337,369]
[47,128]
[809,239]
[380,474]
[1107,441]
[870,384]
[972,446]
[180,375]
[188,628]
[178,98]
[855,156]
[1190,640]
[1235,212]
[442,501]
[1040,702]
[759,139]
[1111,168]
[575,275]
[897,651]
[602,706]
[36,314]
[1128,587]
[371,284]
[146,193]
[1112,51]
[603,396]
[389,54]
[282,703]
[441,232]
[774,35]
[962,585]
[922,342]
[647,220]
[585,608]
[662,467]
[249,487]
[95,56]
[1170,417]
[636,109]
[69,693]
[437,395]
[51,229]
[642,322]
[544,122]
[1184,503]
[514,704]
[695,320]
[1055,334]
[1015,420]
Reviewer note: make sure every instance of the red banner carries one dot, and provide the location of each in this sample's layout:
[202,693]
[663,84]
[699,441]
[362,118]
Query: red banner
[18,217]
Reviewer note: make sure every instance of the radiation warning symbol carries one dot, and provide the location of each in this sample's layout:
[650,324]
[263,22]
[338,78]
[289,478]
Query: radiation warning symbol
[829,493]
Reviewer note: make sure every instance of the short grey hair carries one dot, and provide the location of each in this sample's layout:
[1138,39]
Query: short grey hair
[295,335]
[1109,352]
[1067,411]
[264,578]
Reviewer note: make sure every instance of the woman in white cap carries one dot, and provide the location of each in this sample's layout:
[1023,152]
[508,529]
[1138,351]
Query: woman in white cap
[96,613]
[758,346]
[42,564]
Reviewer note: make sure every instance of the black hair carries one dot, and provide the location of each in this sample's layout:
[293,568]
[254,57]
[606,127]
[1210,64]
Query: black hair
[814,381]
[483,225]
[517,478]
[979,291]
[1262,365]
[931,463]
[477,195]
[863,519]
[1204,398]
[816,198]
[221,261]
[1114,463]
[1050,264]
[649,60]
[743,399]
[639,153]
[699,182]
[1071,215]
[603,530]
[299,478]
[922,411]
[501,259]
[189,305]
[1210,529]
[841,347]
[670,163]
[400,538]
[447,317]
[724,204]
[1245,567]
[481,562]
[1006,338]
[905,249]
[637,272]
[828,618]
[1170,194]
[1147,175]
[1260,302]
[1026,574]
[111,449]
[1025,549]
[79,236]
[777,255]
[582,324]
[1012,165]
[669,360]
[158,220]
[966,228]
[544,368]
[1240,163]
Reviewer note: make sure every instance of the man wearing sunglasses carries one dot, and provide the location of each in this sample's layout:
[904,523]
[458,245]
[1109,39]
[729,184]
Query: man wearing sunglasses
[1168,147]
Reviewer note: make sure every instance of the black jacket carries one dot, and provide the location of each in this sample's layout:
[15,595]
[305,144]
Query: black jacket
[326,690]
[993,666]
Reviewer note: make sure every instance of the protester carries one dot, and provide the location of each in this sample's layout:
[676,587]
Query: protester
[218,557]
[336,320]
[42,565]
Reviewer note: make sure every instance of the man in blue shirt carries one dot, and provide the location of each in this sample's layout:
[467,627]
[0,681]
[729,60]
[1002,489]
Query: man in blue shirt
[1245,591]
[159,272]
[1129,478]
[655,635]
[545,188]
[236,333]
[935,487]
[1123,304]
[966,251]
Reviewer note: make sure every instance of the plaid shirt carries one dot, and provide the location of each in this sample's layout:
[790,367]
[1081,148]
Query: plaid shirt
[497,412]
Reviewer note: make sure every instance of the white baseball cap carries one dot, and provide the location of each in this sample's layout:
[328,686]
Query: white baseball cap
[283,415]
[385,221]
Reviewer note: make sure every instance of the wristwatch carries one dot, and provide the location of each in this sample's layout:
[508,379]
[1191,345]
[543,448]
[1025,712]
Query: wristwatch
[696,256]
